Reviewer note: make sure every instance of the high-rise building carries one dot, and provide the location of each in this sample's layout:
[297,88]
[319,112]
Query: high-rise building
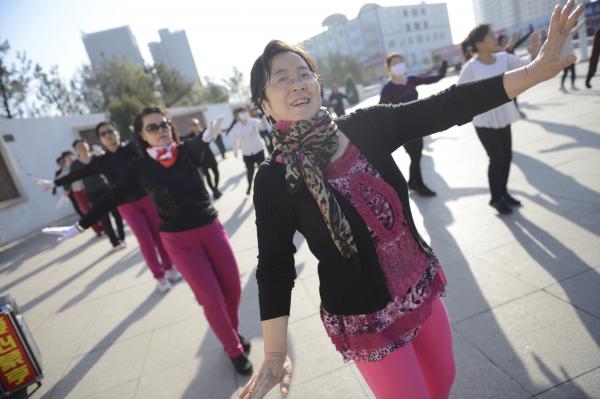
[509,14]
[173,51]
[413,30]
[118,43]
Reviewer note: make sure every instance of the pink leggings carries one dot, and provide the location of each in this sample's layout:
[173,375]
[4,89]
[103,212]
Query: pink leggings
[143,220]
[423,369]
[205,258]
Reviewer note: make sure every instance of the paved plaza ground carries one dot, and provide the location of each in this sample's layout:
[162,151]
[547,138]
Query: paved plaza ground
[523,292]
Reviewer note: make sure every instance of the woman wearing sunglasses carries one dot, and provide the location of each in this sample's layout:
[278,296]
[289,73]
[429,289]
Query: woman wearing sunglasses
[337,183]
[192,234]
[136,207]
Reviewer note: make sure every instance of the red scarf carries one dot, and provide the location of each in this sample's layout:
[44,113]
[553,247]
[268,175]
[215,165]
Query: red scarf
[165,155]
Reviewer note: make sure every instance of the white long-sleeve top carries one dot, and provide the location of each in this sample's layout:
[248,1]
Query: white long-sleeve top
[247,136]
[474,69]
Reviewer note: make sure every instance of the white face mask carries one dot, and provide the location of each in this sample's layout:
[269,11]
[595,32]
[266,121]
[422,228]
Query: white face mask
[244,116]
[398,69]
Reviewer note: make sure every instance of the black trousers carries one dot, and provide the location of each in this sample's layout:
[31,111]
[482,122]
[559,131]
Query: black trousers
[220,145]
[250,161]
[594,58]
[564,75]
[209,163]
[498,146]
[114,238]
[414,149]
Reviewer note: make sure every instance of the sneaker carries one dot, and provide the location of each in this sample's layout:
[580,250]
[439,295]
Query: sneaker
[562,88]
[512,201]
[245,344]
[574,88]
[121,245]
[588,83]
[163,285]
[501,206]
[173,275]
[217,194]
[242,364]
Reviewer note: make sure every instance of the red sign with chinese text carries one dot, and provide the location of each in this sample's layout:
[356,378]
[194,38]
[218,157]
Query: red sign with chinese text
[16,369]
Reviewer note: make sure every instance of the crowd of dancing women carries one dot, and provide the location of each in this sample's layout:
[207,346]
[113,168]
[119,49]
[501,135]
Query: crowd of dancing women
[333,179]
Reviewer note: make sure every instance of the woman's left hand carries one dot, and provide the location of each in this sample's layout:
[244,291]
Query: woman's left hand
[548,63]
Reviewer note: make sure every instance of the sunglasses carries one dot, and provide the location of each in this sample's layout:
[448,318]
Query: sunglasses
[154,128]
[106,133]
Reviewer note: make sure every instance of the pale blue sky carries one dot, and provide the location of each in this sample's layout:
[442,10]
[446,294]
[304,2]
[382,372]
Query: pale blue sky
[221,33]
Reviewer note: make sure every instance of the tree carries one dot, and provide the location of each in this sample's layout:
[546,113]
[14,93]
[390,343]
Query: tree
[122,111]
[238,91]
[335,65]
[172,86]
[14,83]
[112,80]
[54,94]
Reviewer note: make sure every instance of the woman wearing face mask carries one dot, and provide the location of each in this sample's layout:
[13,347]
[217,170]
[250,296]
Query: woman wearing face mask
[246,134]
[337,183]
[493,127]
[402,89]
[189,228]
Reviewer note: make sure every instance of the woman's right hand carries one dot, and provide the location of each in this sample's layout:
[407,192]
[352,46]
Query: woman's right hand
[276,369]
[46,185]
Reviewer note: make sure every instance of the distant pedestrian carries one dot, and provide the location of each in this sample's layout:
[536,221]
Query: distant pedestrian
[593,60]
[336,100]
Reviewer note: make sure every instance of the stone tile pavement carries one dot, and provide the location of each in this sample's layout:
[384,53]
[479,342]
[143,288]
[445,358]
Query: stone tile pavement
[523,293]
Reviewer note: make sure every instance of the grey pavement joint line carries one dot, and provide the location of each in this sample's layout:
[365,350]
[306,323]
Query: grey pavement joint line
[489,359]
[565,382]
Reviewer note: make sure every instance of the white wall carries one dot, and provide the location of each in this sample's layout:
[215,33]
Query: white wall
[37,143]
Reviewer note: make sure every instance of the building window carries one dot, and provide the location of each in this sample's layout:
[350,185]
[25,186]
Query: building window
[410,40]
[423,11]
[419,38]
[425,25]
[405,13]
[408,27]
[414,12]
[417,26]
[391,43]
[8,187]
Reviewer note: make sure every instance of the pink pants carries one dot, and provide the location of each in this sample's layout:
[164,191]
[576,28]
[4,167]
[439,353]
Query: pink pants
[143,220]
[85,205]
[423,369]
[205,259]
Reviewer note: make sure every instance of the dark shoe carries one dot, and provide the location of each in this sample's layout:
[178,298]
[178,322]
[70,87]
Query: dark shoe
[523,114]
[217,194]
[512,201]
[501,206]
[588,84]
[242,364]
[421,189]
[245,344]
[248,190]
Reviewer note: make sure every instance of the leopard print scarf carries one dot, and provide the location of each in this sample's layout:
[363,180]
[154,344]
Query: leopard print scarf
[306,147]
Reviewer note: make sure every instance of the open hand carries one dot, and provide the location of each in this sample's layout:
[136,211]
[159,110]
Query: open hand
[548,62]
[276,369]
[46,185]
[214,129]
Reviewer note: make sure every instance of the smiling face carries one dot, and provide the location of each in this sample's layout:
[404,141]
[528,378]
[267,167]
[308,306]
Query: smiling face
[156,130]
[292,93]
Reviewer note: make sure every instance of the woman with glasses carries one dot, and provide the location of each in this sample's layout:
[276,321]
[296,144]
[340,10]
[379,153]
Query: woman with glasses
[337,183]
[136,207]
[246,135]
[192,234]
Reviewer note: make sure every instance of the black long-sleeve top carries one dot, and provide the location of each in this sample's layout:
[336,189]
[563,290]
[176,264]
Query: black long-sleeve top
[112,165]
[181,199]
[93,184]
[393,93]
[345,287]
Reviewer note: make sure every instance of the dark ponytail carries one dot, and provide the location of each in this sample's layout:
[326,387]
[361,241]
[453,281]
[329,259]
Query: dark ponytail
[477,34]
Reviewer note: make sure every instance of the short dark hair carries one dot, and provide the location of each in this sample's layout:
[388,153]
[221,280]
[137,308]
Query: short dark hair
[260,74]
[477,34]
[99,125]
[59,159]
[65,153]
[138,125]
[390,57]
[77,142]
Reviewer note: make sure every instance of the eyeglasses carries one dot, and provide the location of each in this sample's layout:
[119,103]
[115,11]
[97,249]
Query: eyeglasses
[284,81]
[106,133]
[154,128]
